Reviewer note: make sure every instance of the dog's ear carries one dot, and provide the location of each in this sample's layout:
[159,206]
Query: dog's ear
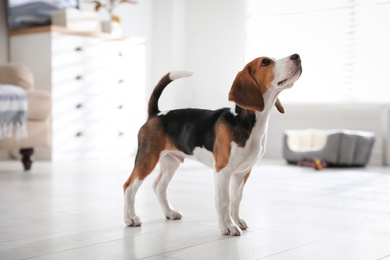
[245,91]
[279,106]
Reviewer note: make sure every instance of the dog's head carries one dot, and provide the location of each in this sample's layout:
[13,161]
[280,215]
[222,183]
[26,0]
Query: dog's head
[260,75]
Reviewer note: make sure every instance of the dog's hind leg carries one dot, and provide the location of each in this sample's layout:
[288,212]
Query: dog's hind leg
[168,166]
[236,189]
[144,165]
[130,218]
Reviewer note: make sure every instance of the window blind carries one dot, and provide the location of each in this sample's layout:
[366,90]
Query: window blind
[344,45]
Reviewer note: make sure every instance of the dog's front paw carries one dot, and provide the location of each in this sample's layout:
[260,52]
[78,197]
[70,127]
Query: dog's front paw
[133,221]
[230,230]
[174,215]
[242,224]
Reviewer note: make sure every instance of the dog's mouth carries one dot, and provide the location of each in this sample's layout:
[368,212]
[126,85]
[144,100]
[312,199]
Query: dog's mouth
[298,71]
[282,82]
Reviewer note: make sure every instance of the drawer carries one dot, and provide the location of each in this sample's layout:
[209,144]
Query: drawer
[100,80]
[67,88]
[69,137]
[104,86]
[109,137]
[104,60]
[102,123]
[67,50]
[68,112]
[68,79]
[67,103]
[66,59]
[94,47]
[99,137]
[66,43]
[69,127]
[105,102]
[71,49]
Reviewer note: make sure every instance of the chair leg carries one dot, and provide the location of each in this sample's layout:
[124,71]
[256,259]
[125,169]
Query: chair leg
[27,158]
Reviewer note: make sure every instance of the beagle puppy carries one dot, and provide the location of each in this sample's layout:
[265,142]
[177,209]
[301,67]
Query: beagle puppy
[228,140]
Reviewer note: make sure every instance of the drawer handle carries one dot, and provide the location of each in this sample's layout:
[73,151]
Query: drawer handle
[121,81]
[79,77]
[120,54]
[79,106]
[120,107]
[79,134]
[121,134]
[79,49]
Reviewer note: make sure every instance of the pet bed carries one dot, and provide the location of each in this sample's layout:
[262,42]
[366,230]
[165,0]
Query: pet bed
[339,148]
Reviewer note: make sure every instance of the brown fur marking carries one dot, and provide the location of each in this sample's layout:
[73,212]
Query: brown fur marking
[246,177]
[245,91]
[151,142]
[264,75]
[279,106]
[251,84]
[221,150]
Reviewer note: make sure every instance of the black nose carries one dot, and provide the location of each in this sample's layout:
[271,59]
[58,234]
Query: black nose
[294,56]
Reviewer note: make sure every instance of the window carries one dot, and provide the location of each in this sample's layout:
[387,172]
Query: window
[344,45]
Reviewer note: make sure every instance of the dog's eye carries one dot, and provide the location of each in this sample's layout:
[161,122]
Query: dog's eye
[265,62]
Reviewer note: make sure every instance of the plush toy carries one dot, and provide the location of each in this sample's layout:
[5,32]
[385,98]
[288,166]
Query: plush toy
[315,163]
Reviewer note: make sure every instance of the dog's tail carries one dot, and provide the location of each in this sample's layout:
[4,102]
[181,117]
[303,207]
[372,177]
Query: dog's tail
[164,81]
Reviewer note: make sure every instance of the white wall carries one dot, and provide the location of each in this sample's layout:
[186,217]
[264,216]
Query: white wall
[207,37]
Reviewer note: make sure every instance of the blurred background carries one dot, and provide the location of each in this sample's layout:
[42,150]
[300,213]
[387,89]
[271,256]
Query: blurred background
[343,46]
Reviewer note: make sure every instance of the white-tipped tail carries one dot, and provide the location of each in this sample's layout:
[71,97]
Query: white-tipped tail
[174,75]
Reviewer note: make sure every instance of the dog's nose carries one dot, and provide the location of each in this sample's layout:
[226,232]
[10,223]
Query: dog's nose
[294,57]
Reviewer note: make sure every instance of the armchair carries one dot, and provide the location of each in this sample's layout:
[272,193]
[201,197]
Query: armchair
[38,113]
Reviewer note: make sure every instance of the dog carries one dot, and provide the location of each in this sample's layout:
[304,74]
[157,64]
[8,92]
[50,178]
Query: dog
[229,140]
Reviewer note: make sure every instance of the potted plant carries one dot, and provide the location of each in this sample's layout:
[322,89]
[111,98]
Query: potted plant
[113,24]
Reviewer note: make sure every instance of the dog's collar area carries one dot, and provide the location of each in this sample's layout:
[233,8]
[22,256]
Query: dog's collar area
[242,112]
[237,110]
[233,110]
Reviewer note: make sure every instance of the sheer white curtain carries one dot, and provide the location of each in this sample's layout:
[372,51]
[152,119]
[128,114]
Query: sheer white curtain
[344,45]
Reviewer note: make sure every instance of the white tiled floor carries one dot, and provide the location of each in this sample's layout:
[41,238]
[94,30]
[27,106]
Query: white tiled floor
[74,211]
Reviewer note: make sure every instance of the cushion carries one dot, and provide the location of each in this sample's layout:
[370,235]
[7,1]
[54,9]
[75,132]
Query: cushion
[16,74]
[39,105]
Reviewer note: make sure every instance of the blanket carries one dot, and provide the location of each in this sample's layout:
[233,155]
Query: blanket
[13,112]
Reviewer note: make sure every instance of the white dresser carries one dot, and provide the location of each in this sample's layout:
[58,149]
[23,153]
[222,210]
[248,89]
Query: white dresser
[98,89]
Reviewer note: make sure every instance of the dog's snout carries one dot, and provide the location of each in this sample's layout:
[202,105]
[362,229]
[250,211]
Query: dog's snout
[294,57]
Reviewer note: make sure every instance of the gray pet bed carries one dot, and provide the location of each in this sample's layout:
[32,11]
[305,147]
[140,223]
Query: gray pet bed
[340,148]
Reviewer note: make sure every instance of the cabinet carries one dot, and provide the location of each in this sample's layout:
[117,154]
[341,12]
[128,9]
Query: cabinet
[97,84]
